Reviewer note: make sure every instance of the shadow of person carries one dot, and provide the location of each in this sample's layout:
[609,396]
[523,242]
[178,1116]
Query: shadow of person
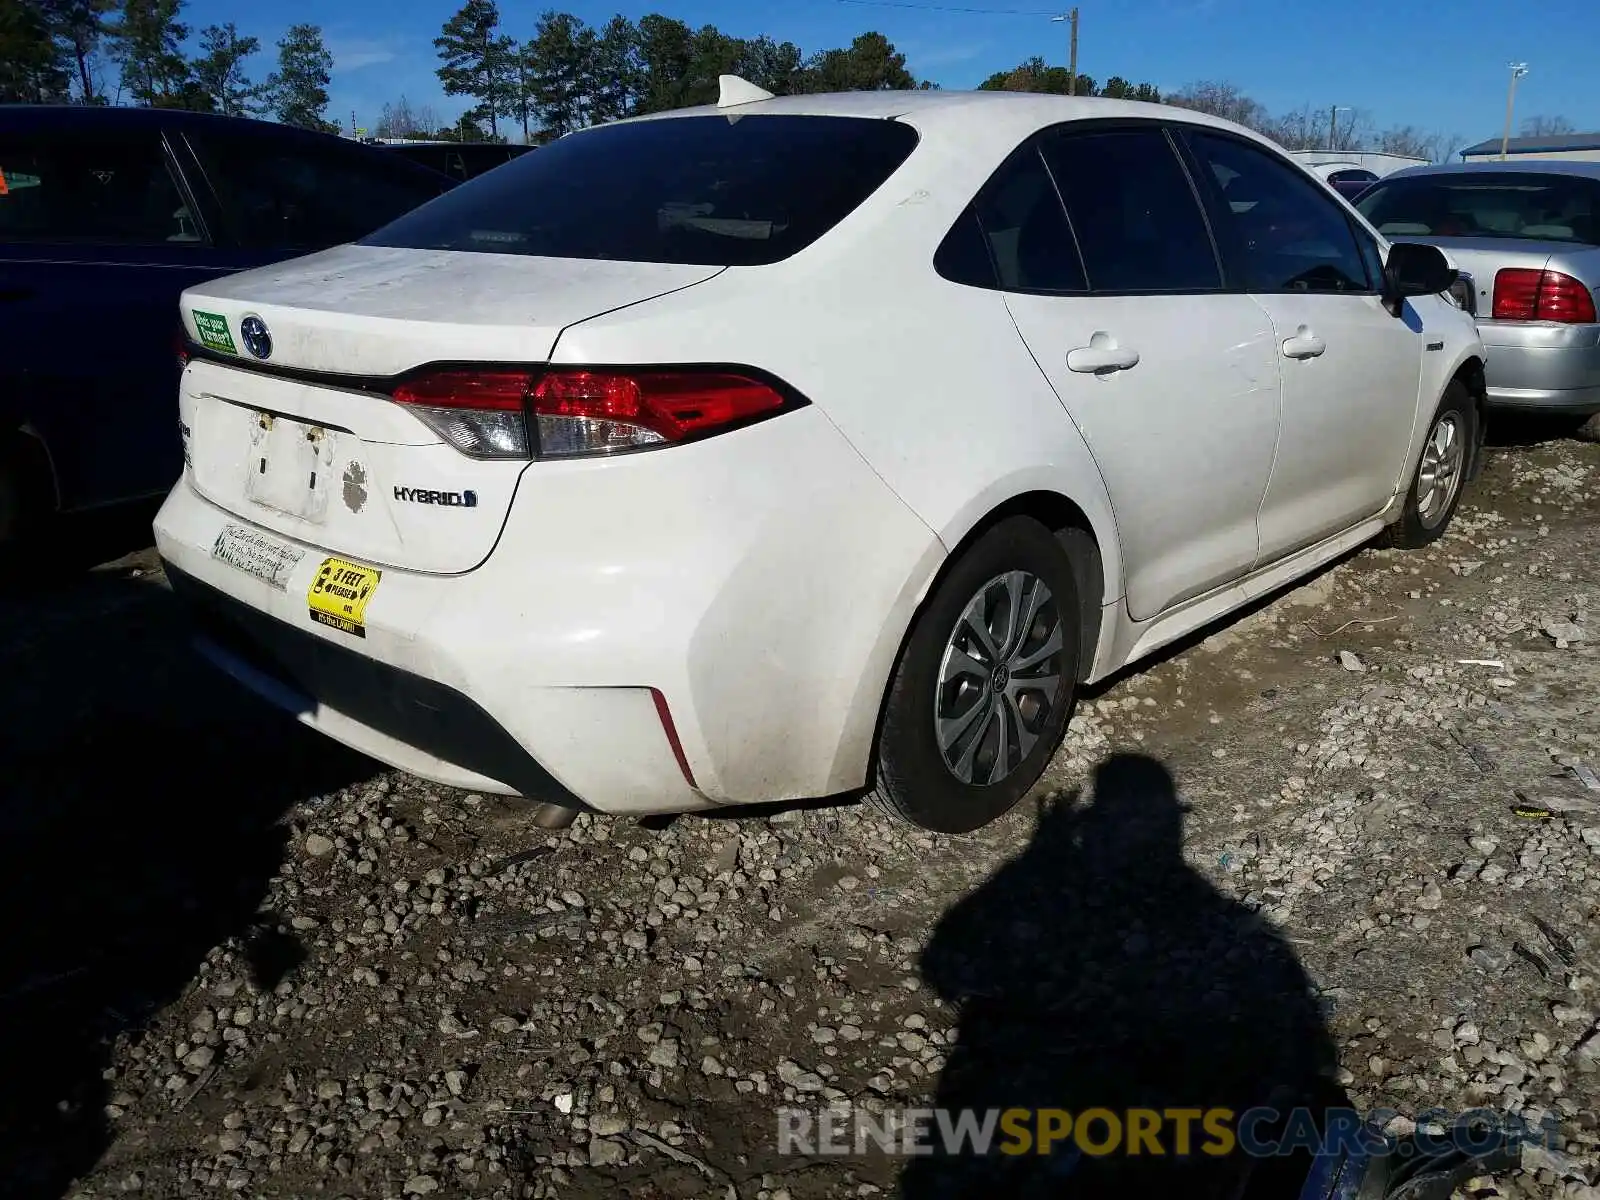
[141,806]
[1098,970]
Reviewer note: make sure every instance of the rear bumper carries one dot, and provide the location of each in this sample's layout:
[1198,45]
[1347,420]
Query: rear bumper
[1542,365]
[760,583]
[419,723]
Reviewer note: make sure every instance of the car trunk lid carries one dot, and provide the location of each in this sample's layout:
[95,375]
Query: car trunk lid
[378,311]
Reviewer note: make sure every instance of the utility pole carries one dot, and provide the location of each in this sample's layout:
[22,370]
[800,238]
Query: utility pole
[522,92]
[1518,70]
[1333,124]
[1072,62]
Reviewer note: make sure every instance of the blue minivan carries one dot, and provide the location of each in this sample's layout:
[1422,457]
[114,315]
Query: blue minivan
[106,215]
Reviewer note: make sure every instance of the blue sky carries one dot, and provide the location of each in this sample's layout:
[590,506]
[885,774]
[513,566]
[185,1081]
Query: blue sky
[1440,66]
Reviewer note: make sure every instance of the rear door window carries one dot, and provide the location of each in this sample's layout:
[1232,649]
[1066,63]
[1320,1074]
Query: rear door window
[1135,214]
[92,190]
[719,191]
[295,194]
[1283,231]
[1030,243]
[1503,204]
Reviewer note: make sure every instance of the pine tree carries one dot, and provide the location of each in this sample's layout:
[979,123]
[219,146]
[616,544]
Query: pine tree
[298,89]
[219,72]
[479,62]
[33,66]
[559,64]
[618,76]
[147,44]
[82,27]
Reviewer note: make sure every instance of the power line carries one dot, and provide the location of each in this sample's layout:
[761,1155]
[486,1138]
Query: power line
[983,12]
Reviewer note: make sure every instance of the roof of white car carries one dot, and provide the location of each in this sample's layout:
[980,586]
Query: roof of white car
[959,112]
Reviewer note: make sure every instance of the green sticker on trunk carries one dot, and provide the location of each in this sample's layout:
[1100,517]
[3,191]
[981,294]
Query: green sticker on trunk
[213,331]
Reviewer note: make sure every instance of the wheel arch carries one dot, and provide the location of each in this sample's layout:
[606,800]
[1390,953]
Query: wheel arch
[1075,531]
[1470,374]
[1091,552]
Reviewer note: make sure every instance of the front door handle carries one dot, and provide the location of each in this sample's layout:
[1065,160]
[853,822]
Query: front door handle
[1304,344]
[1101,356]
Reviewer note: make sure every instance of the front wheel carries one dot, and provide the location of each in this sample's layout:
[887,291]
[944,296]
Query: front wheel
[984,688]
[1435,487]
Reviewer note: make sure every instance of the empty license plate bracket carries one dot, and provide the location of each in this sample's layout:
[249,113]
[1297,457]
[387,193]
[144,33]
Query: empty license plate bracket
[290,467]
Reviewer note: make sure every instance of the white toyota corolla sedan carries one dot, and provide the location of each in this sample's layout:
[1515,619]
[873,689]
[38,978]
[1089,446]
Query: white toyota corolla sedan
[795,447]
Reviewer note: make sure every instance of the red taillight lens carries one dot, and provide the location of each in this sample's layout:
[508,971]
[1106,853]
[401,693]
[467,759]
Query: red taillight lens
[1565,299]
[589,412]
[488,414]
[1527,294]
[180,347]
[481,413]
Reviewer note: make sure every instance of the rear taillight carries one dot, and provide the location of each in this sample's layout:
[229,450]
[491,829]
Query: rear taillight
[1528,294]
[481,413]
[589,412]
[180,346]
[564,413]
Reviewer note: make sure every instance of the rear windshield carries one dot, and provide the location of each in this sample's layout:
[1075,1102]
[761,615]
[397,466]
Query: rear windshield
[1543,208]
[717,190]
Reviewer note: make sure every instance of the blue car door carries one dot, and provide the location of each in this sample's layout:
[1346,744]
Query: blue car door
[98,237]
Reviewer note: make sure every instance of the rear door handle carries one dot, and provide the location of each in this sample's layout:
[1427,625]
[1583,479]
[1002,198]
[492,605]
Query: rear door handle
[1101,356]
[1304,344]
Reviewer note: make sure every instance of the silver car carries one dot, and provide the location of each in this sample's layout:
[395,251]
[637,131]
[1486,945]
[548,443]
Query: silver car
[1526,237]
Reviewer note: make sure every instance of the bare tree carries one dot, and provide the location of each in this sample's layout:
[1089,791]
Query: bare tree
[396,120]
[1310,128]
[1299,130]
[1546,126]
[1442,147]
[1409,141]
[400,120]
[1223,100]
[1353,131]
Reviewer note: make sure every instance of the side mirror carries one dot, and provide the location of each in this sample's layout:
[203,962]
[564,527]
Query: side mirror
[1414,269]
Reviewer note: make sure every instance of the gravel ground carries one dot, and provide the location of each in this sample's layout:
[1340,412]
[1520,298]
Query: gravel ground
[1345,835]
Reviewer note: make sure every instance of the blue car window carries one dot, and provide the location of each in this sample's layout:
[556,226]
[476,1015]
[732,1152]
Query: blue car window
[90,190]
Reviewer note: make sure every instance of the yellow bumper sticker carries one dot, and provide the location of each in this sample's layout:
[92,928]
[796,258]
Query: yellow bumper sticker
[339,595]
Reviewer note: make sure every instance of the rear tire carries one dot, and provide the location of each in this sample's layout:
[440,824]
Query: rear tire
[985,685]
[1434,489]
